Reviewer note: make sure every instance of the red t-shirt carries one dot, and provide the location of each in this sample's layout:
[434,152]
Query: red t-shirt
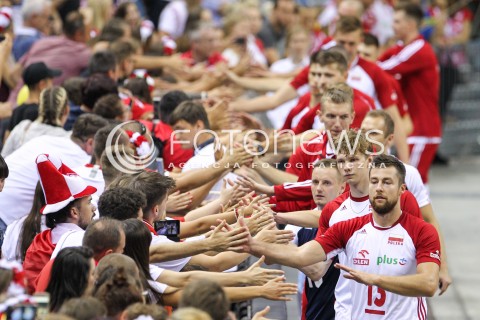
[362,104]
[415,66]
[37,256]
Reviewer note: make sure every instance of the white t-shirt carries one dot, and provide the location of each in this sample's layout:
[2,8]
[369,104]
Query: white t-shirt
[203,158]
[278,115]
[415,185]
[17,195]
[26,130]
[93,176]
[72,238]
[174,18]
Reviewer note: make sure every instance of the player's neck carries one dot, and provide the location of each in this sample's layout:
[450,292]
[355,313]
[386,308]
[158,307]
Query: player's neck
[388,219]
[359,189]
[410,38]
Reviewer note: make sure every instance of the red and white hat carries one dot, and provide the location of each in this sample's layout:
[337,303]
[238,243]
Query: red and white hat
[60,184]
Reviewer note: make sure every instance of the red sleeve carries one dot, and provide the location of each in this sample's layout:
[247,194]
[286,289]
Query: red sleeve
[306,123]
[295,158]
[425,239]
[427,244]
[409,204]
[294,191]
[362,104]
[410,59]
[383,87]
[290,206]
[401,103]
[300,79]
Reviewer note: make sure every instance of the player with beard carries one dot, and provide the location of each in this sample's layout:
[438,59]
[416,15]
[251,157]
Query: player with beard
[392,256]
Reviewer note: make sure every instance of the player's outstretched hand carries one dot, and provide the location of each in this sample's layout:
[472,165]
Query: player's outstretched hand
[231,240]
[260,314]
[277,289]
[259,276]
[358,276]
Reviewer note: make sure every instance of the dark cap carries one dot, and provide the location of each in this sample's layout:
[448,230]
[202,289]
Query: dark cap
[38,71]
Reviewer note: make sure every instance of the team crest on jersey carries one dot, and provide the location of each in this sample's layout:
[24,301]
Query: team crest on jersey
[362,259]
[395,239]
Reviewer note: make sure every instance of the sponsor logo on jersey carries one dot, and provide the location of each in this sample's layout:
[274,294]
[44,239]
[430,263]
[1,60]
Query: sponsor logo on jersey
[363,261]
[363,231]
[391,261]
[435,255]
[343,208]
[395,239]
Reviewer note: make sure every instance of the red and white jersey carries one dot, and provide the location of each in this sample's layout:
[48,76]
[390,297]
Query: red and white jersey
[415,66]
[297,112]
[393,251]
[343,208]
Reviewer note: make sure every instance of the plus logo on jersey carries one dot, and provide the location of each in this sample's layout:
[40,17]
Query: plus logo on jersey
[395,239]
[391,261]
[363,261]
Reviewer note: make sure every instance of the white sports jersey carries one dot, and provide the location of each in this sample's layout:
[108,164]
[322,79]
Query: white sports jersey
[393,251]
[349,208]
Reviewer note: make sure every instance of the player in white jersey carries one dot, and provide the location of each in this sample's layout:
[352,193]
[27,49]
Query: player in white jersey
[392,257]
[381,121]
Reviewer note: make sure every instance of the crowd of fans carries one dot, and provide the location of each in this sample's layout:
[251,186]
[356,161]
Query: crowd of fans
[150,147]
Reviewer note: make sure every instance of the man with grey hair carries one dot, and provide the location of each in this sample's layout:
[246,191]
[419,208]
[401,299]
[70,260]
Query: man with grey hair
[35,15]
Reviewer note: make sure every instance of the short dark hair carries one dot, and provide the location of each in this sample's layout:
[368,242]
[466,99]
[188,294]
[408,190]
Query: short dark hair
[113,30]
[103,234]
[206,295]
[73,23]
[154,186]
[348,24]
[74,86]
[139,88]
[370,40]
[389,124]
[109,106]
[122,49]
[70,275]
[412,10]
[121,203]
[60,216]
[353,138]
[327,57]
[3,168]
[96,86]
[110,157]
[102,62]
[84,308]
[386,161]
[87,125]
[169,102]
[191,112]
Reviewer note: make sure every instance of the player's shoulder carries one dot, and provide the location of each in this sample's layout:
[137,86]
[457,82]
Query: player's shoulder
[416,226]
[369,66]
[336,203]
[360,98]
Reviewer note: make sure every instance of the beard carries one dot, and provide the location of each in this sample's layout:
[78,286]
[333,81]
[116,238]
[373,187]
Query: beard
[385,208]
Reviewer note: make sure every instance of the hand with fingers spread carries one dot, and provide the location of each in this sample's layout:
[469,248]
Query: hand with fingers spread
[272,235]
[258,221]
[249,183]
[234,159]
[277,289]
[229,240]
[259,276]
[247,204]
[260,314]
[230,195]
[358,276]
[178,201]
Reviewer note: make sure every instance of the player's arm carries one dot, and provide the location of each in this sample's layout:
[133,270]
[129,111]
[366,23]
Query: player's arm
[306,219]
[257,84]
[317,271]
[422,284]
[399,137]
[429,216]
[265,103]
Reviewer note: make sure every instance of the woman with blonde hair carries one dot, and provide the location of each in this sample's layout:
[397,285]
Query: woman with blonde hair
[53,111]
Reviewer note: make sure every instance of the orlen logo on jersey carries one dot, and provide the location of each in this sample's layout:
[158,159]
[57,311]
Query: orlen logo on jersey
[364,261]
[393,261]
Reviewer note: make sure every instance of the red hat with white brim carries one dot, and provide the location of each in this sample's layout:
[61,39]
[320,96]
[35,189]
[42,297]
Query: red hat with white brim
[60,184]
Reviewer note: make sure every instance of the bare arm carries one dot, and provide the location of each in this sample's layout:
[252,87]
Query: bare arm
[275,289]
[257,84]
[221,262]
[429,216]
[399,137]
[317,271]
[422,284]
[202,225]
[306,219]
[274,175]
[265,103]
